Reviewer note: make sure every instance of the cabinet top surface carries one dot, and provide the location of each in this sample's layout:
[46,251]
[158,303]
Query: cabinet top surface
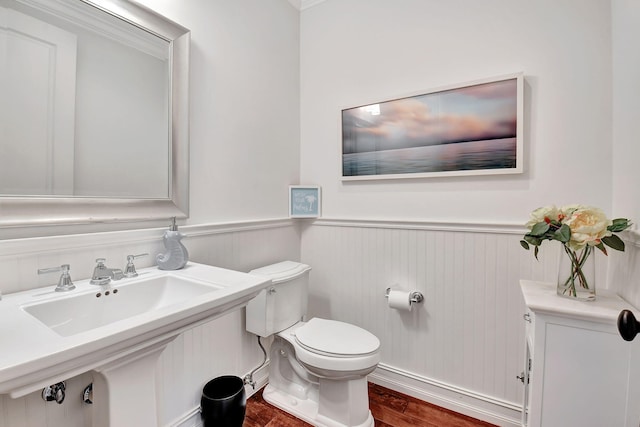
[541,298]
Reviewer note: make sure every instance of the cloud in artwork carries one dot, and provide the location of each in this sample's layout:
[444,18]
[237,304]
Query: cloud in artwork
[473,113]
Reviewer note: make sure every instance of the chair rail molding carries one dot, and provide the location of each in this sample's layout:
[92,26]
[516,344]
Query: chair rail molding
[412,224]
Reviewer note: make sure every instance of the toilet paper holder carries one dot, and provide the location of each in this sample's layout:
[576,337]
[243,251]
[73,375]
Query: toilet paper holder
[415,296]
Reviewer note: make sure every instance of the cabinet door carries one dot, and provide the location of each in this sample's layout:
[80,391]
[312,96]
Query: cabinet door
[586,374]
[633,383]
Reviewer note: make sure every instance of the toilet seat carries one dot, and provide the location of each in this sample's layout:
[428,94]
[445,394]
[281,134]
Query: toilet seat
[340,355]
[336,339]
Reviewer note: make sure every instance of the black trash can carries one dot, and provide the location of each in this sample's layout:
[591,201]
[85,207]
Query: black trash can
[223,402]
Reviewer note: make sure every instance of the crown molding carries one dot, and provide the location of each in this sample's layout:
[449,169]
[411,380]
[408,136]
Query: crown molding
[306,4]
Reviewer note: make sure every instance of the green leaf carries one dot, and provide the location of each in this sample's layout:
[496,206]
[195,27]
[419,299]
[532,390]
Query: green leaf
[533,240]
[524,244]
[563,234]
[619,224]
[539,229]
[614,242]
[602,248]
[535,252]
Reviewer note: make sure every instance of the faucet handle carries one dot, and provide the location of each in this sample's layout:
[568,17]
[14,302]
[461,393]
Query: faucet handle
[64,268]
[130,269]
[64,283]
[100,275]
[132,257]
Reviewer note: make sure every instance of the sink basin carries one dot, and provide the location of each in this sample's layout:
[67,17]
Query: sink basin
[80,313]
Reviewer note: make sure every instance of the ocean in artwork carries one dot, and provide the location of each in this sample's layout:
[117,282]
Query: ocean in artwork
[459,156]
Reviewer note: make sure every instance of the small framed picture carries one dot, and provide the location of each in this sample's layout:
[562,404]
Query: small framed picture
[304,201]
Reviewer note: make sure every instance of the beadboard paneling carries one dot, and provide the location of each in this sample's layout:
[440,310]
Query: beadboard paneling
[624,269]
[467,335]
[219,347]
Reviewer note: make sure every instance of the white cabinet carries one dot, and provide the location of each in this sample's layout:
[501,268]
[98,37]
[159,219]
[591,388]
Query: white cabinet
[578,370]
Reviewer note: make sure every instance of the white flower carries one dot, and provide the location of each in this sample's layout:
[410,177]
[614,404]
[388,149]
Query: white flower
[544,214]
[588,225]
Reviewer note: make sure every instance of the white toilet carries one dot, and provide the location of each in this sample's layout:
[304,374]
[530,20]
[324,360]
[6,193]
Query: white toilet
[319,368]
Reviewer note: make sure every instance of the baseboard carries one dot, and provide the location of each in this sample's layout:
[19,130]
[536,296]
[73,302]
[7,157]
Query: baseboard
[192,417]
[466,402]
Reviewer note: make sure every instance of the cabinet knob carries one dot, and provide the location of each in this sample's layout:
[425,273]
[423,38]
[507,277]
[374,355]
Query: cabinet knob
[628,326]
[527,317]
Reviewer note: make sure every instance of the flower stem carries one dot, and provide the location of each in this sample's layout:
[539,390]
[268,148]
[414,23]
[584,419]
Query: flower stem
[577,263]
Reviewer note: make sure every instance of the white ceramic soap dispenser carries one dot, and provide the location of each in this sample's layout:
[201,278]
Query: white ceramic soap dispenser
[176,255]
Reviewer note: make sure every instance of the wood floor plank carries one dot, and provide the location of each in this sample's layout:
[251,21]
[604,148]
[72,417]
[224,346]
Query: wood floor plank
[395,418]
[259,413]
[386,397]
[285,421]
[421,411]
[440,416]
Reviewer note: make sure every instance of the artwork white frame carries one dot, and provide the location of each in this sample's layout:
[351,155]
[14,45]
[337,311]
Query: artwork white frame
[356,159]
[304,201]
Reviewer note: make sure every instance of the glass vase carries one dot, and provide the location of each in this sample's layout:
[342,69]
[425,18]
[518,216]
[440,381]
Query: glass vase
[577,274]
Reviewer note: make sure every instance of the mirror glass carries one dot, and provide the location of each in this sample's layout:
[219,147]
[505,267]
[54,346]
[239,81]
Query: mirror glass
[93,99]
[85,105]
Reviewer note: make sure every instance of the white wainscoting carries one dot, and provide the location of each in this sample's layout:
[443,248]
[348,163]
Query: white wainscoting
[463,346]
[624,269]
[219,347]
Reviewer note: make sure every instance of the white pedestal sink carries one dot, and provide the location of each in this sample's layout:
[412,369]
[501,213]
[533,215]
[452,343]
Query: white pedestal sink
[117,332]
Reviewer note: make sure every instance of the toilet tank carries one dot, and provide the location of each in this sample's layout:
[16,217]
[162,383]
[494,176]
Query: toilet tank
[283,303]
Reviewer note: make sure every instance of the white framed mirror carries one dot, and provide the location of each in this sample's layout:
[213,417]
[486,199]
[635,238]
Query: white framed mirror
[94,113]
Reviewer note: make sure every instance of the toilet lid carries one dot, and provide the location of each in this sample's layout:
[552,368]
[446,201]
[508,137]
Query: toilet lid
[336,338]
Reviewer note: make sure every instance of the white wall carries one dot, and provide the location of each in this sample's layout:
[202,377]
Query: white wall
[244,153]
[362,51]
[244,105]
[624,272]
[626,109]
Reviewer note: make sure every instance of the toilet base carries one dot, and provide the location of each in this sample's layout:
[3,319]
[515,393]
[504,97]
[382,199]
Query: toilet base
[305,409]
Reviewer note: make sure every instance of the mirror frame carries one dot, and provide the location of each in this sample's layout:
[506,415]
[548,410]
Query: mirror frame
[18,211]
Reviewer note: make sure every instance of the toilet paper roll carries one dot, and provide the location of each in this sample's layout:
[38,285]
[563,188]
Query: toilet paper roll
[400,300]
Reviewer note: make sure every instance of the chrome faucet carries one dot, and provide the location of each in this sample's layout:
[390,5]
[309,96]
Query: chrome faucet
[103,275]
[64,283]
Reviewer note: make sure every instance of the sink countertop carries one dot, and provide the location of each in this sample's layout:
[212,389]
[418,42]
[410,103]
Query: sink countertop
[32,355]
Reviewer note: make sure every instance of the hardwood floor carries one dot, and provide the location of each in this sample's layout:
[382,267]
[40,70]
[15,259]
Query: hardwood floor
[389,409]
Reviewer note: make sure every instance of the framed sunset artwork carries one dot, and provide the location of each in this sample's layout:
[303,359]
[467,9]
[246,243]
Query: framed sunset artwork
[467,129]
